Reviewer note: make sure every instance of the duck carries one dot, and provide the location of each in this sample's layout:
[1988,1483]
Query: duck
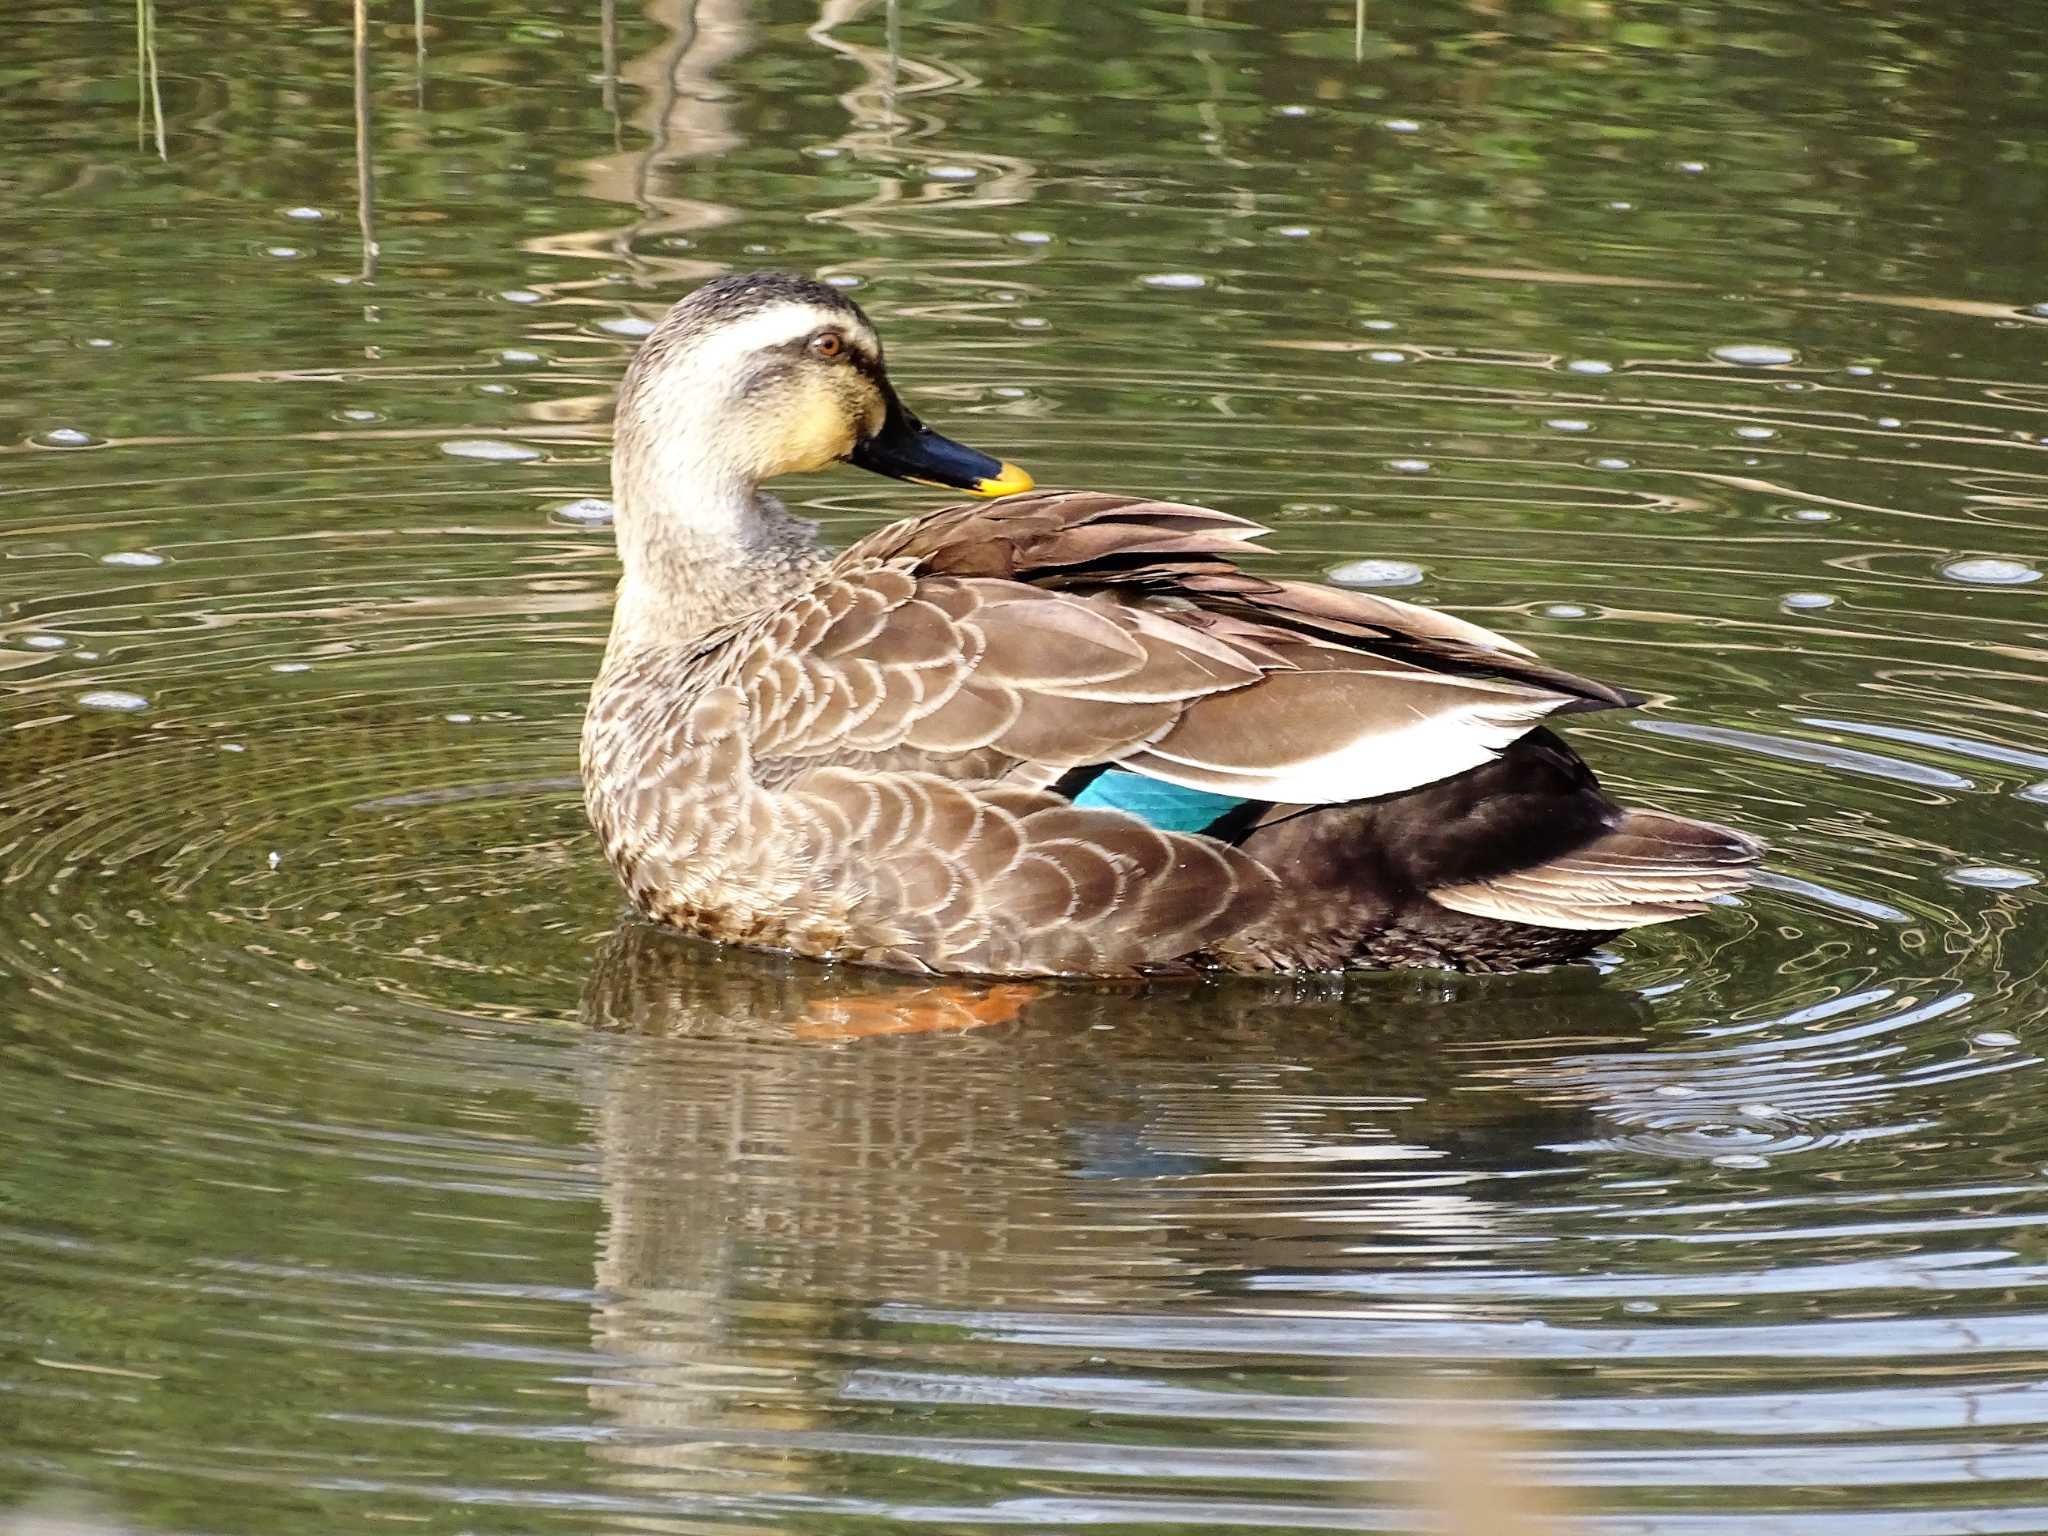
[1058,733]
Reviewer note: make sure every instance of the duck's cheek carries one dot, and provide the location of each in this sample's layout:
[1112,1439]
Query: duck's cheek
[813,435]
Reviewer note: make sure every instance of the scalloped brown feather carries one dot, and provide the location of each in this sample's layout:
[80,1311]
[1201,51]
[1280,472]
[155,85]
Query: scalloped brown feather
[861,769]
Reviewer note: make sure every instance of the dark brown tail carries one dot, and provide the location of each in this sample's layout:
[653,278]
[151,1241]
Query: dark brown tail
[1651,868]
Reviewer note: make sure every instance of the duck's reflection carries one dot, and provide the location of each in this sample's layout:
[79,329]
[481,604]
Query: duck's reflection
[786,1146]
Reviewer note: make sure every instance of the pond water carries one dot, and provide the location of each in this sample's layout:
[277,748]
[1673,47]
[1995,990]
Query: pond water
[360,1171]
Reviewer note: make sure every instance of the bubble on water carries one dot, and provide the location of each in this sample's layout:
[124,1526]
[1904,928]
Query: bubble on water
[1409,466]
[1376,573]
[824,151]
[757,250]
[1692,167]
[2040,309]
[1859,370]
[520,296]
[116,699]
[496,389]
[845,280]
[99,343]
[586,511]
[1990,571]
[1292,109]
[1032,237]
[1009,392]
[1639,1307]
[1178,280]
[1294,231]
[1995,1039]
[2033,794]
[1803,600]
[518,355]
[1031,322]
[1754,1133]
[1564,611]
[1568,424]
[1588,365]
[952,173]
[493,448]
[458,718]
[283,252]
[304,213]
[626,325]
[1811,515]
[1889,422]
[1756,434]
[291,666]
[44,642]
[137,557]
[1620,207]
[1387,355]
[1614,464]
[1402,125]
[1755,354]
[356,413]
[1992,877]
[1376,325]
[68,437]
[232,746]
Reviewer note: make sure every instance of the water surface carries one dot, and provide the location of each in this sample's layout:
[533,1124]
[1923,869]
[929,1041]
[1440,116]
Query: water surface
[358,1168]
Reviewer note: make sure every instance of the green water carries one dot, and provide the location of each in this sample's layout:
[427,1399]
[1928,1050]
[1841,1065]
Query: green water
[359,1173]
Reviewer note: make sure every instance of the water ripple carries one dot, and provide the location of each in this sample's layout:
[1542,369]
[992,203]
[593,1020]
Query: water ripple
[360,1159]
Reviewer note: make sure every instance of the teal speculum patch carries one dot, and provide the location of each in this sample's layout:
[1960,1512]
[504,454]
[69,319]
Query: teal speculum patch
[1169,807]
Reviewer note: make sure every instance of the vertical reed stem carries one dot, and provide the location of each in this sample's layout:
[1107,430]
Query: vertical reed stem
[366,176]
[149,95]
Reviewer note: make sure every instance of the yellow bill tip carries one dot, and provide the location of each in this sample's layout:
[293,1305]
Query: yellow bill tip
[1007,481]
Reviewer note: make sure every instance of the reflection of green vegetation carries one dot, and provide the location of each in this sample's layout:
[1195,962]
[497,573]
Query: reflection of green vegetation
[257,1214]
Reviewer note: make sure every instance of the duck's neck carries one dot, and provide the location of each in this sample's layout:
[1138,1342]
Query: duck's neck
[701,545]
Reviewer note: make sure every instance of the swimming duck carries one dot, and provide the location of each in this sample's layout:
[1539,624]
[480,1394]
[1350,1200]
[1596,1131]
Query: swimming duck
[1061,732]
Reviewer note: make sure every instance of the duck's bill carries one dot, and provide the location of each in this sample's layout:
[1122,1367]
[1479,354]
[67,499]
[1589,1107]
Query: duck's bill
[906,449]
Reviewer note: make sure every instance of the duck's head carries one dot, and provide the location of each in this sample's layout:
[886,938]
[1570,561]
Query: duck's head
[768,374]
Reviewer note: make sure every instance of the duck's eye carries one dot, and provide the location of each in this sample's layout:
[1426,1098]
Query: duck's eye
[828,345]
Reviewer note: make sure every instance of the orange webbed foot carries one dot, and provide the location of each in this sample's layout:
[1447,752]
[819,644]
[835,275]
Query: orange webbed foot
[942,1008]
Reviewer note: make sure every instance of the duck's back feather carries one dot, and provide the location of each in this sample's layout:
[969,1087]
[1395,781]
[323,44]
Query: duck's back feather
[1073,628]
[884,766]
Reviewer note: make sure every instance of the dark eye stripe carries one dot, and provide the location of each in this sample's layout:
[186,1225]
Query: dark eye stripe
[766,378]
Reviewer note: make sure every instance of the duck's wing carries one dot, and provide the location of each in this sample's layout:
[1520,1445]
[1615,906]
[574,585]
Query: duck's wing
[1024,638]
[931,710]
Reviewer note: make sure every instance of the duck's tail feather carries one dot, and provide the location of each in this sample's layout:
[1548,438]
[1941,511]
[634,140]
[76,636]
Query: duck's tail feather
[1650,868]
